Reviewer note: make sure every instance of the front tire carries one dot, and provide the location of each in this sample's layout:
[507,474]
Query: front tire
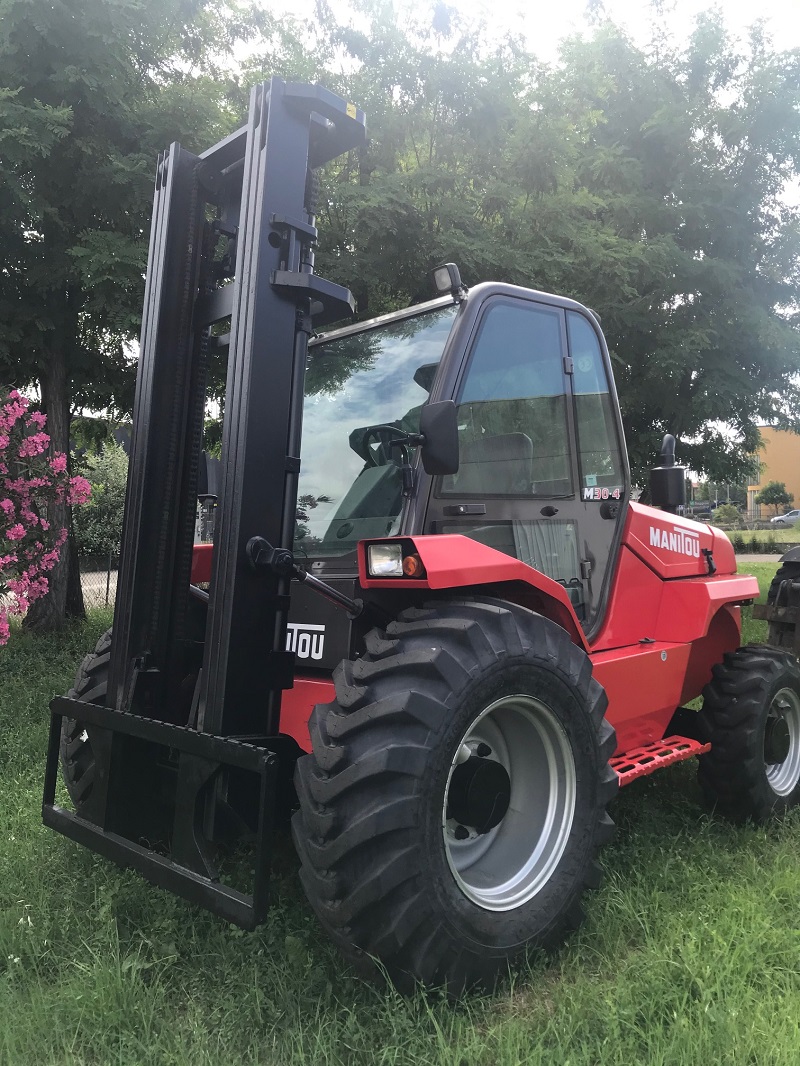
[751,715]
[452,808]
[77,757]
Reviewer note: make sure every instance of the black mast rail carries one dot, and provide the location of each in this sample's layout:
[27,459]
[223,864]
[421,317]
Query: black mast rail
[255,191]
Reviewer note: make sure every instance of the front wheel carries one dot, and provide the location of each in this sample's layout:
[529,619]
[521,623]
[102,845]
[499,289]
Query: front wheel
[452,808]
[751,715]
[77,757]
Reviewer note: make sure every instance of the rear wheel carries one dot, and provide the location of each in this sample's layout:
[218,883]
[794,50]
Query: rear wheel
[751,715]
[452,808]
[91,686]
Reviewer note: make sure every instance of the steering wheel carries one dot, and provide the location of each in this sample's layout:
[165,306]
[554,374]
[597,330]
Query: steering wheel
[381,436]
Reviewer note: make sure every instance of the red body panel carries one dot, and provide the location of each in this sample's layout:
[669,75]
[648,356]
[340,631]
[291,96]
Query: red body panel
[201,562]
[453,561]
[297,704]
[643,684]
[667,621]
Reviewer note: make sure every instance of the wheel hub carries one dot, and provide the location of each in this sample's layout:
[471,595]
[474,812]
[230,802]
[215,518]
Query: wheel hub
[479,795]
[777,741]
[509,803]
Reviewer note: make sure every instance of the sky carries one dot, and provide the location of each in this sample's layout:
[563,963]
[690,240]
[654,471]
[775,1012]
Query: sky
[544,24]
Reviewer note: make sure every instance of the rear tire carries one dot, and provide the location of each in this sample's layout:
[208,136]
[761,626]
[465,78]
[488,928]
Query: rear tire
[455,800]
[751,715]
[91,686]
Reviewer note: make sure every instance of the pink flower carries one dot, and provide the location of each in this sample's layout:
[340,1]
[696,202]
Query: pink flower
[27,489]
[80,490]
[34,445]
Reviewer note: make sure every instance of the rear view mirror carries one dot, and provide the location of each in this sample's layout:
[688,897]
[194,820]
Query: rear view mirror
[438,426]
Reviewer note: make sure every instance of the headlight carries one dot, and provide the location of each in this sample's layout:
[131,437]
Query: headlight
[385,560]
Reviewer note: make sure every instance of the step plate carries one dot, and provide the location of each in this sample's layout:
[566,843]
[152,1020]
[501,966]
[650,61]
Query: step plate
[638,762]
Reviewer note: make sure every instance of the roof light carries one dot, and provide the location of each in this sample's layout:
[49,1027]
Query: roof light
[447,279]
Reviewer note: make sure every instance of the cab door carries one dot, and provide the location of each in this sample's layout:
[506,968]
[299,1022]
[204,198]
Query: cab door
[541,475]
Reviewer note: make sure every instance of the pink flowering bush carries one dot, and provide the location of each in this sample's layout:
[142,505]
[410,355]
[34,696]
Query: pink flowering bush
[31,482]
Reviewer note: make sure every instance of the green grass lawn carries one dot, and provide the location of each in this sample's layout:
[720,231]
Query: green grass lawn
[690,953]
[772,537]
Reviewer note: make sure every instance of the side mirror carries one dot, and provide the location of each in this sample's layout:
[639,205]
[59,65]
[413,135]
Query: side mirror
[438,426]
[668,481]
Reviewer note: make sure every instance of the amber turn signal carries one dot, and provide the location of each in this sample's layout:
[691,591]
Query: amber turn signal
[412,566]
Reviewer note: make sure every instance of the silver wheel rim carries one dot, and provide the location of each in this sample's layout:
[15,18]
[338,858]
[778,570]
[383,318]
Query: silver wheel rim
[507,866]
[784,776]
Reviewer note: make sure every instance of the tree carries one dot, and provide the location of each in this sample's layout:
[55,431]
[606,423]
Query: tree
[646,183]
[689,252]
[774,494]
[91,90]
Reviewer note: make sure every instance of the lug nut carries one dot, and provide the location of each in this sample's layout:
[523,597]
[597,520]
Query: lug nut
[461,832]
[483,750]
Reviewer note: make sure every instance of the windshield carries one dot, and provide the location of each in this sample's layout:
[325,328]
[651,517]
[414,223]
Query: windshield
[357,388]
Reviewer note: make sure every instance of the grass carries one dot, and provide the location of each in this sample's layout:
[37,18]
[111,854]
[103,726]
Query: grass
[773,536]
[690,953]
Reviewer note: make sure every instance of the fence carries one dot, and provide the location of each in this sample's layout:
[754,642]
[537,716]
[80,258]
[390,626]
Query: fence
[99,579]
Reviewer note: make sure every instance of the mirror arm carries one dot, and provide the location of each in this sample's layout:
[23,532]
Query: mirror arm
[406,469]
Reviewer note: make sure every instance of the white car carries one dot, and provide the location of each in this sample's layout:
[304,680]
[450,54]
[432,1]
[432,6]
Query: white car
[787,519]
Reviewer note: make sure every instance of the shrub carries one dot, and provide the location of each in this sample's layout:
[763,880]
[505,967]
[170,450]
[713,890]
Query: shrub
[727,514]
[31,483]
[738,542]
[98,525]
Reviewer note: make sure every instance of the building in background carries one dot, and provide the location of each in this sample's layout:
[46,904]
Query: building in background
[779,456]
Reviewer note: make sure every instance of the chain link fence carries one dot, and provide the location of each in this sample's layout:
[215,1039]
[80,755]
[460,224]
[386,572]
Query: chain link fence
[99,579]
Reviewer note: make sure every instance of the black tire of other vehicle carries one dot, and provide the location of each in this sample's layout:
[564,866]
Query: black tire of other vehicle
[91,686]
[781,634]
[751,715]
[374,830]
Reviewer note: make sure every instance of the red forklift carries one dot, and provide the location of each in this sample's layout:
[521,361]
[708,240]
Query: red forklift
[432,623]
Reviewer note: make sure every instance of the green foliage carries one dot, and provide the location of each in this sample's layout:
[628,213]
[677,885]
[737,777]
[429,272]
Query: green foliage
[727,515]
[645,182]
[98,524]
[89,93]
[739,543]
[774,494]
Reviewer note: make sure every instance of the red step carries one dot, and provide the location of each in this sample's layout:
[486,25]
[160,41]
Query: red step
[638,762]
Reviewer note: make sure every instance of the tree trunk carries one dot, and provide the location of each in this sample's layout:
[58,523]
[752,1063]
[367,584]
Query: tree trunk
[64,597]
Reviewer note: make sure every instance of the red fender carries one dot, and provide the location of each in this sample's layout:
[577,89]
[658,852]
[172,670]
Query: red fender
[453,561]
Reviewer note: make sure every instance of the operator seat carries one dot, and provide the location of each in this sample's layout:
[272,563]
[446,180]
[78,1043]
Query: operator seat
[498,465]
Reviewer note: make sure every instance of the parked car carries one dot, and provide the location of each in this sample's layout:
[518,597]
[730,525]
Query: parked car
[787,519]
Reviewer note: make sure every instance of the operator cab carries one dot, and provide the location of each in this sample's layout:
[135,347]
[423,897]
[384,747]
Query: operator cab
[542,472]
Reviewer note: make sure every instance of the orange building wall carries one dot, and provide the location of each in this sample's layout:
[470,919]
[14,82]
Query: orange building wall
[780,461]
